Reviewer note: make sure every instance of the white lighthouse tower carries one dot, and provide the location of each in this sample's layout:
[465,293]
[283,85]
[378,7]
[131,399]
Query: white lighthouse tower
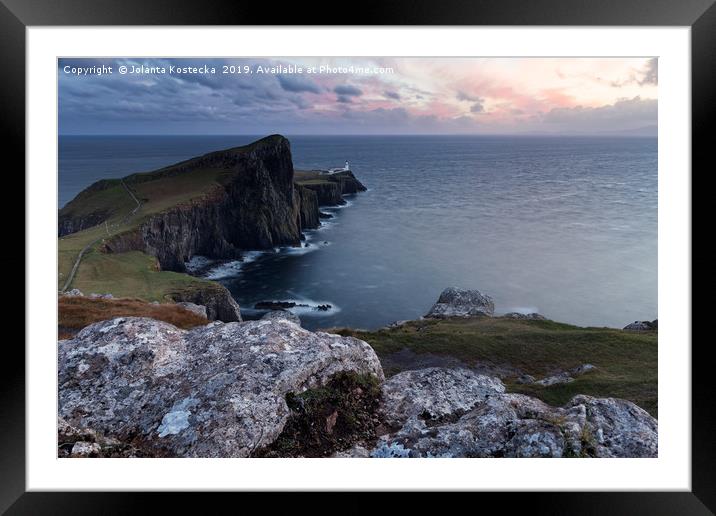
[347,167]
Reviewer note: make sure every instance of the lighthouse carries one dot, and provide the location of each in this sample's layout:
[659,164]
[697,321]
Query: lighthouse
[347,167]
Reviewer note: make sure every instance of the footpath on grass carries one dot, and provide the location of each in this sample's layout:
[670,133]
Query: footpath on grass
[89,246]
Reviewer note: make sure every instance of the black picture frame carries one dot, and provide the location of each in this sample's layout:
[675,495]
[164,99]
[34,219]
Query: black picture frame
[17,15]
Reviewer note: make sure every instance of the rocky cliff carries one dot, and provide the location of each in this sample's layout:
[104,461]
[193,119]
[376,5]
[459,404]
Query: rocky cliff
[254,203]
[331,189]
[256,206]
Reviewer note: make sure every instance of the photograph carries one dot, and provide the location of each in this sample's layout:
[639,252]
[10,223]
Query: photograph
[357,257]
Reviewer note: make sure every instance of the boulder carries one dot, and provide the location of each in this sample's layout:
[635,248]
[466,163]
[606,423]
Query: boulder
[101,296]
[534,316]
[218,390]
[643,325]
[455,302]
[555,380]
[75,292]
[439,412]
[282,315]
[194,308]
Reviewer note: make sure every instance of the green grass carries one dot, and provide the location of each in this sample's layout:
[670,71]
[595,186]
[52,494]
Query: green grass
[131,274]
[626,361]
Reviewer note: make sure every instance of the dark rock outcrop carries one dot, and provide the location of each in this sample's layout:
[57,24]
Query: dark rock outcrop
[308,208]
[455,302]
[330,192]
[255,207]
[215,298]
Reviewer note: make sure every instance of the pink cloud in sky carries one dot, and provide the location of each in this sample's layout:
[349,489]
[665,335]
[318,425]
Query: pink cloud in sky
[409,96]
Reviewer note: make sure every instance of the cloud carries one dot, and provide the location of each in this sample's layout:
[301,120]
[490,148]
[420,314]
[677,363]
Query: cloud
[391,95]
[343,99]
[297,84]
[623,114]
[651,72]
[466,97]
[477,107]
[647,75]
[347,90]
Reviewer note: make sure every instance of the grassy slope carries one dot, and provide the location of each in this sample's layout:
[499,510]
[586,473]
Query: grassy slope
[130,274]
[626,361]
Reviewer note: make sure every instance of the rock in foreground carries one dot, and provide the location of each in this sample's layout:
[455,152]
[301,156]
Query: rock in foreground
[440,412]
[643,325]
[215,391]
[455,302]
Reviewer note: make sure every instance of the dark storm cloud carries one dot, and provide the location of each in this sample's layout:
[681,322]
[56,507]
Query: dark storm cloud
[477,107]
[343,99]
[347,90]
[155,102]
[297,84]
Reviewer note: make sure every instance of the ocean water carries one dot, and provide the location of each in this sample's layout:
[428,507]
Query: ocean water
[566,226]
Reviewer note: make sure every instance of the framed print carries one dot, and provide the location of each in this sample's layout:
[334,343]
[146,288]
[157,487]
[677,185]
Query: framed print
[437,249]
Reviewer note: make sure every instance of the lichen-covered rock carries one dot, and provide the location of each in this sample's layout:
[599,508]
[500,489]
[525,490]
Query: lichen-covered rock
[643,325]
[193,307]
[439,412]
[532,316]
[75,292]
[618,428]
[281,314]
[556,379]
[455,302]
[213,391]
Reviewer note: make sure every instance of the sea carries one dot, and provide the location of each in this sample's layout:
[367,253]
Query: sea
[563,226]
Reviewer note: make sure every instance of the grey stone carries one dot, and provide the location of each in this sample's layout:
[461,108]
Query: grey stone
[584,368]
[534,316]
[455,302]
[101,296]
[282,315]
[214,391]
[642,325]
[555,380]
[193,307]
[440,412]
[85,449]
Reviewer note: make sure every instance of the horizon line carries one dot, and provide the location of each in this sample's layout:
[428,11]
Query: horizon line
[333,135]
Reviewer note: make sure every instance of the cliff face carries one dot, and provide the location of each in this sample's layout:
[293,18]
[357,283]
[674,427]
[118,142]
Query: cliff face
[330,192]
[307,207]
[255,207]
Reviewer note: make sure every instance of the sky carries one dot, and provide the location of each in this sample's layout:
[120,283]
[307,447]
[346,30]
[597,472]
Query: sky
[292,96]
